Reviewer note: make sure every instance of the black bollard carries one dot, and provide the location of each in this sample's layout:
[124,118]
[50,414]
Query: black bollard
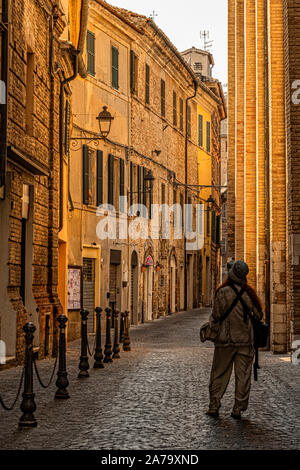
[126,341]
[98,350]
[108,346]
[62,381]
[122,327]
[28,405]
[84,361]
[116,350]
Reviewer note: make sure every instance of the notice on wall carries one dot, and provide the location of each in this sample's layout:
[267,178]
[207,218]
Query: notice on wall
[74,288]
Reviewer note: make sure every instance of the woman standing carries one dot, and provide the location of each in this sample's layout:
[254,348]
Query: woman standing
[234,342]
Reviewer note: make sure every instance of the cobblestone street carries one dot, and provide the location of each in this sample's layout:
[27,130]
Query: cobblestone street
[155,397]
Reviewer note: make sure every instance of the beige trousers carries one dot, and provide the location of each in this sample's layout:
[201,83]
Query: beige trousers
[224,358]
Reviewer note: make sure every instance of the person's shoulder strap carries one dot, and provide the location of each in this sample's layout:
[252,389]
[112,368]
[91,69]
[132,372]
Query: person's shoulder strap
[234,303]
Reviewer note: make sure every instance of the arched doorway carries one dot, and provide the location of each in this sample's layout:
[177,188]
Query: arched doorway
[148,287]
[172,284]
[134,288]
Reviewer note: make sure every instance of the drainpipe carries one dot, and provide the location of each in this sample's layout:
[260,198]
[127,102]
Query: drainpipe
[195,83]
[79,67]
[3,106]
[267,175]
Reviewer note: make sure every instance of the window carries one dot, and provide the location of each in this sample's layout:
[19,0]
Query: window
[114,67]
[90,52]
[29,93]
[218,230]
[110,195]
[85,174]
[147,84]
[213,227]
[163,98]
[189,121]
[200,130]
[133,72]
[207,222]
[181,113]
[122,191]
[163,193]
[208,136]
[174,109]
[99,177]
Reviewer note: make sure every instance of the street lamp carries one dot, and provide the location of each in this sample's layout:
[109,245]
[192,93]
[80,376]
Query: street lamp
[104,120]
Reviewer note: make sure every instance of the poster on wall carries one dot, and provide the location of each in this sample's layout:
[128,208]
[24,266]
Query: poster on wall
[74,288]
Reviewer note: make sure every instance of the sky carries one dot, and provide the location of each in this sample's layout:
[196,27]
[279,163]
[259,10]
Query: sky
[182,21]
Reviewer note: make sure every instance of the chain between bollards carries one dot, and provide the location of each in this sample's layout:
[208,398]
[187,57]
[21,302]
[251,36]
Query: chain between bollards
[126,340]
[84,361]
[62,381]
[28,405]
[116,349]
[108,345]
[98,364]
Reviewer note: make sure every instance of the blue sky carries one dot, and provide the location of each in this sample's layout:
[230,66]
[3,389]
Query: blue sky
[182,21]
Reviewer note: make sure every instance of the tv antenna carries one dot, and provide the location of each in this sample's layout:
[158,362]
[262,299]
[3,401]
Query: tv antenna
[153,15]
[207,44]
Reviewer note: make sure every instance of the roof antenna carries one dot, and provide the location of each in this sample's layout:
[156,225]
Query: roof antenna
[205,36]
[153,15]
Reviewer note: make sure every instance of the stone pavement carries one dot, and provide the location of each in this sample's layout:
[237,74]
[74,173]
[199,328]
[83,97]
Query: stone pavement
[155,397]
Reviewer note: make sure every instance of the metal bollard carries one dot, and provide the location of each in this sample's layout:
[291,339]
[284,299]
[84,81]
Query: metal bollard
[108,346]
[122,327]
[98,350]
[126,341]
[116,349]
[84,361]
[62,381]
[28,405]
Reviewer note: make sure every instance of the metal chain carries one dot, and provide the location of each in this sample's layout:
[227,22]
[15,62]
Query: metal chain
[38,375]
[9,408]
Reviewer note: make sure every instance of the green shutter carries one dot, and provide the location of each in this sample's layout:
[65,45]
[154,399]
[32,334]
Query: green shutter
[200,130]
[90,52]
[139,183]
[99,177]
[115,67]
[144,192]
[131,183]
[110,198]
[163,97]
[132,71]
[208,136]
[147,85]
[122,192]
[218,234]
[213,227]
[85,174]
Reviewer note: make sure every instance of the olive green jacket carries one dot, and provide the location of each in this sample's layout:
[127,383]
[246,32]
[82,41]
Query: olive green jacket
[233,331]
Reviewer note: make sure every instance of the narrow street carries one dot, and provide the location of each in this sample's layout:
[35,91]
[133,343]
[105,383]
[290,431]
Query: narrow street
[155,397]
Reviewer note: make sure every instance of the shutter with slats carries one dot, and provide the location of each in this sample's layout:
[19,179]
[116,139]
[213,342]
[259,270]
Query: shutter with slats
[200,130]
[110,196]
[115,67]
[90,52]
[139,183]
[208,136]
[163,97]
[147,85]
[85,174]
[99,177]
[131,183]
[213,227]
[218,230]
[122,189]
[132,71]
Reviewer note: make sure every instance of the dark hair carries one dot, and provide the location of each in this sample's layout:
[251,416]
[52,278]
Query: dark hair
[250,291]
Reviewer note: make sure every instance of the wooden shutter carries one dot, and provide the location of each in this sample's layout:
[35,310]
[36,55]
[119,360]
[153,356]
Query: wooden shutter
[85,174]
[90,52]
[163,193]
[181,114]
[99,177]
[115,67]
[131,184]
[174,109]
[163,97]
[110,197]
[132,71]
[147,85]
[200,130]
[122,192]
[218,230]
[213,227]
[144,191]
[208,136]
[139,183]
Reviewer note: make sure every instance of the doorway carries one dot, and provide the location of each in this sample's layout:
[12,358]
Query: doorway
[173,285]
[134,289]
